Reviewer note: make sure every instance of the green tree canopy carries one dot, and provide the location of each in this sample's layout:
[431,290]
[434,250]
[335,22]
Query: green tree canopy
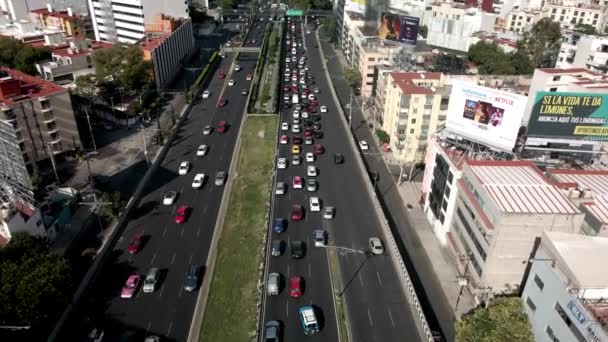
[330,26]
[226,3]
[116,204]
[35,284]
[491,59]
[504,320]
[353,77]
[542,43]
[449,64]
[17,55]
[123,66]
[424,31]
[383,137]
[585,28]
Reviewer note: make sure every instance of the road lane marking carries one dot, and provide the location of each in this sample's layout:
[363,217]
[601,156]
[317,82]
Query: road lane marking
[198,232]
[170,327]
[211,188]
[287,309]
[309,273]
[164,231]
[181,235]
[172,258]
[153,258]
[148,327]
[360,279]
[379,279]
[390,315]
[369,315]
[204,209]
[190,261]
[180,291]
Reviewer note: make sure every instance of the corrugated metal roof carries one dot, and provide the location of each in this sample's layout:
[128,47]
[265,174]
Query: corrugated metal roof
[519,187]
[594,180]
[599,208]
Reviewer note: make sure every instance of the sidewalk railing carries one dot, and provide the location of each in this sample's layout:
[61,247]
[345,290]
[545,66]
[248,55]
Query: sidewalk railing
[406,282]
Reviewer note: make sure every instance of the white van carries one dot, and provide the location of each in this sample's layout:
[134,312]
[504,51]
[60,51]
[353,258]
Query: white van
[294,98]
[272,286]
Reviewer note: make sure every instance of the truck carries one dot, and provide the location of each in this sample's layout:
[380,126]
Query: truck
[309,320]
[295,99]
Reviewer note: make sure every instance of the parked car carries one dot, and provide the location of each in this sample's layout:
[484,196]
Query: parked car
[130,287]
[298,249]
[135,244]
[169,198]
[329,212]
[220,178]
[280,188]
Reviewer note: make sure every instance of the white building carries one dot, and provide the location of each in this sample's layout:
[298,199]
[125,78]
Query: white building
[451,25]
[522,20]
[126,20]
[571,12]
[584,51]
[566,291]
[19,9]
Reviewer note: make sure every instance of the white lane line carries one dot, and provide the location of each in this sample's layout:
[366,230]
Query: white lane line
[360,279]
[180,291]
[153,258]
[190,261]
[181,235]
[148,327]
[369,315]
[181,189]
[204,209]
[172,258]
[162,289]
[379,279]
[390,315]
[164,231]
[287,309]
[309,273]
[198,232]
[170,327]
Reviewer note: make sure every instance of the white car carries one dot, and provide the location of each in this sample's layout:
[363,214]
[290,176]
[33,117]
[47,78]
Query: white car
[376,246]
[304,115]
[320,237]
[207,130]
[323,109]
[231,82]
[295,128]
[315,204]
[296,121]
[287,60]
[311,171]
[296,160]
[363,144]
[296,114]
[198,181]
[202,150]
[184,167]
[280,189]
[169,198]
[310,157]
[206,94]
[329,212]
[311,97]
[285,126]
[237,68]
[282,163]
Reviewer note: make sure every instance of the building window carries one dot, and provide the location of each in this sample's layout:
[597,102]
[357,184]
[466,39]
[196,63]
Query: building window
[414,120]
[560,311]
[412,131]
[531,304]
[539,282]
[450,177]
[556,78]
[371,59]
[551,335]
[447,191]
[45,104]
[554,89]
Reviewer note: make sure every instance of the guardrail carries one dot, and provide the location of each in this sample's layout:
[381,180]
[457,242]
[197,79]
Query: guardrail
[406,283]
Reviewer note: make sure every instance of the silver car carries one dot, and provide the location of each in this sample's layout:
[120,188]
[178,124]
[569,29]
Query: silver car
[329,212]
[280,189]
[151,280]
[220,178]
[376,246]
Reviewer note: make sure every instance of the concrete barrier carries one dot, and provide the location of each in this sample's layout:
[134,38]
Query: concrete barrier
[406,284]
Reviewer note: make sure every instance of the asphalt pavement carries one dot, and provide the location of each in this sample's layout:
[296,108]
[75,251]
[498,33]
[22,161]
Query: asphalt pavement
[167,245]
[377,308]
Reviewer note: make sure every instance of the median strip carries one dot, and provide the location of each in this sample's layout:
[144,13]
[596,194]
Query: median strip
[231,310]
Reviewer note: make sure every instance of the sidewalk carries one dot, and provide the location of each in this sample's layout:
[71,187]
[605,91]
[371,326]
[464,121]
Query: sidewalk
[432,271]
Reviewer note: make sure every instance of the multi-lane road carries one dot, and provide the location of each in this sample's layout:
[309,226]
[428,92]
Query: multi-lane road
[167,245]
[377,309]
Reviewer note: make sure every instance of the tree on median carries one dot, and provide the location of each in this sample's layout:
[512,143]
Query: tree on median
[353,78]
[504,320]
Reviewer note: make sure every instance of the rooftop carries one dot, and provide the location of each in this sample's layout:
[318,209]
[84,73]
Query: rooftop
[55,14]
[594,180]
[29,87]
[152,41]
[598,208]
[520,187]
[67,51]
[568,71]
[406,81]
[574,250]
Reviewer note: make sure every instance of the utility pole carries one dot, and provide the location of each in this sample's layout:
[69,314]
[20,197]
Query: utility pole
[86,111]
[350,110]
[143,133]
[52,155]
[463,281]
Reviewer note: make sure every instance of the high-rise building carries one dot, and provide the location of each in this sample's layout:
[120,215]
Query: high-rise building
[126,20]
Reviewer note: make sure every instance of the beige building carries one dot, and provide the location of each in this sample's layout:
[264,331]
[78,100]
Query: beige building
[522,20]
[570,13]
[415,105]
[501,209]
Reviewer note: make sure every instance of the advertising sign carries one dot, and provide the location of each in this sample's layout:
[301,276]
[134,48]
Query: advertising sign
[357,6]
[580,116]
[399,28]
[485,115]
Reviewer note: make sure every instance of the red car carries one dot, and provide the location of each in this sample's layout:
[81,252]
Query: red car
[294,88]
[249,77]
[222,126]
[308,132]
[134,245]
[297,212]
[286,89]
[221,75]
[284,139]
[295,287]
[313,104]
[222,102]
[182,213]
[319,149]
[297,182]
[130,287]
[297,140]
[306,91]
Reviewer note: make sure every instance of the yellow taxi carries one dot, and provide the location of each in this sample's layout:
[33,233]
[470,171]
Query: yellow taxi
[295,149]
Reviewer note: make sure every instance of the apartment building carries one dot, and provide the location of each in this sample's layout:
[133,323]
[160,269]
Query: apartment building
[450,25]
[125,20]
[569,13]
[74,25]
[501,209]
[19,9]
[522,20]
[70,61]
[584,51]
[565,291]
[40,114]
[166,45]
[576,80]
[415,105]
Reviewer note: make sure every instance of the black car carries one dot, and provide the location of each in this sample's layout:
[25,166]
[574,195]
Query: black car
[316,117]
[338,158]
[308,123]
[297,249]
[316,126]
[318,134]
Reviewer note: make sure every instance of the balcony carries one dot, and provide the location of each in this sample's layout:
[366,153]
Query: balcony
[52,130]
[56,140]
[49,118]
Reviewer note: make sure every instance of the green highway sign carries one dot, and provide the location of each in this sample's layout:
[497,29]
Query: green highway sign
[294,13]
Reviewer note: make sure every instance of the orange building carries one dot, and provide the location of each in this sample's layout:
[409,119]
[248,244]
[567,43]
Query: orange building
[72,24]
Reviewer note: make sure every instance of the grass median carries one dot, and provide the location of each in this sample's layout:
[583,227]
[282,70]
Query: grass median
[231,311]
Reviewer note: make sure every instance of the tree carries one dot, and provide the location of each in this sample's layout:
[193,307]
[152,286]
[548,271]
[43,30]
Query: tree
[226,3]
[449,64]
[86,85]
[353,78]
[542,43]
[383,137]
[35,284]
[17,55]
[321,5]
[123,66]
[491,59]
[585,28]
[424,31]
[330,26]
[302,4]
[117,203]
[521,63]
[504,320]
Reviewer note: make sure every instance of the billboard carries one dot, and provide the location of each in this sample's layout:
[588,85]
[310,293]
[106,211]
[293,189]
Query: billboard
[357,6]
[399,28]
[580,116]
[485,115]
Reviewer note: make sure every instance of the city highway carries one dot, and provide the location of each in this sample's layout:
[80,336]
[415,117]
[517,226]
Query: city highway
[167,245]
[377,308]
